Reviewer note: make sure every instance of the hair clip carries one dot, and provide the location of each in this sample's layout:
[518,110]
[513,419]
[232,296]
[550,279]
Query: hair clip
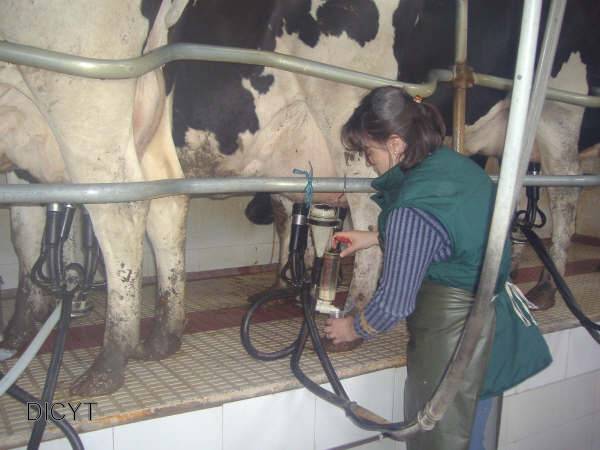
[417,99]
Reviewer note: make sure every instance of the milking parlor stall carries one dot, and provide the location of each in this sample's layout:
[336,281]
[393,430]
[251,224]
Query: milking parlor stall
[128,324]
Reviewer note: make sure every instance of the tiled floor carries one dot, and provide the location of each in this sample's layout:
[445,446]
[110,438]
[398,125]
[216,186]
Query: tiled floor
[212,368]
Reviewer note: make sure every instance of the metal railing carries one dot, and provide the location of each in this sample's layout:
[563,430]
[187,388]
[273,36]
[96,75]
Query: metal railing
[136,67]
[147,190]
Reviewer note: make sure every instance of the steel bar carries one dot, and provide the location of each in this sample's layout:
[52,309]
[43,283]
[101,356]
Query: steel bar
[559,95]
[32,350]
[540,85]
[147,190]
[503,211]
[508,181]
[459,102]
[135,67]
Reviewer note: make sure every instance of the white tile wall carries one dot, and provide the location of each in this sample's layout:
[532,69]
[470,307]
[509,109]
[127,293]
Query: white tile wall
[558,343]
[374,391]
[281,421]
[582,395]
[219,236]
[10,271]
[530,412]
[596,432]
[539,412]
[400,378]
[584,353]
[225,256]
[399,375]
[93,440]
[561,416]
[575,435]
[194,430]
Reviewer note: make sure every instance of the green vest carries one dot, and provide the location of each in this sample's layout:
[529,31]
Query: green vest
[460,195]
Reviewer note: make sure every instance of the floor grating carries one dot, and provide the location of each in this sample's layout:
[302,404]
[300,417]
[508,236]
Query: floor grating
[212,367]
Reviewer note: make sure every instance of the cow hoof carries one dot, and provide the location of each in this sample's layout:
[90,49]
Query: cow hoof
[15,339]
[542,295]
[156,347]
[104,377]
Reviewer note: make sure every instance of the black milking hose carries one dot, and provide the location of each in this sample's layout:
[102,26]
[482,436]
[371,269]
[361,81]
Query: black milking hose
[295,264]
[308,306]
[360,416]
[25,397]
[53,370]
[57,234]
[264,298]
[52,238]
[591,327]
[444,394]
[339,398]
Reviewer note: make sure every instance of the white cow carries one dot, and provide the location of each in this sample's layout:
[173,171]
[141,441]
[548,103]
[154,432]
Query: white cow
[63,128]
[556,148]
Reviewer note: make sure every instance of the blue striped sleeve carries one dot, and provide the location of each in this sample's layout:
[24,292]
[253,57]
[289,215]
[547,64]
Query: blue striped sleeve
[414,239]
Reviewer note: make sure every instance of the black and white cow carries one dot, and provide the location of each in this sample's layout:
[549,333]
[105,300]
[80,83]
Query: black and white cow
[63,128]
[424,41]
[492,43]
[226,120]
[252,121]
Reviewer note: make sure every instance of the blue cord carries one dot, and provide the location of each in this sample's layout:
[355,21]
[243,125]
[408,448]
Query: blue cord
[308,190]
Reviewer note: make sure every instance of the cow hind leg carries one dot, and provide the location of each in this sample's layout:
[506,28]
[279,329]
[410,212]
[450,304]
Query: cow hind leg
[166,228]
[166,231]
[123,261]
[563,207]
[32,306]
[367,263]
[282,215]
[558,134]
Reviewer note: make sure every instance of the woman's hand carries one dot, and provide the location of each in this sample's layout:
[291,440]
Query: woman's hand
[341,330]
[356,240]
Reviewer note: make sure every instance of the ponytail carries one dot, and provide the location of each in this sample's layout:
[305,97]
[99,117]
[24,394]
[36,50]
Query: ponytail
[424,136]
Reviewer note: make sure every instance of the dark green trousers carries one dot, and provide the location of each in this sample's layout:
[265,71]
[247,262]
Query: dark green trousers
[435,328]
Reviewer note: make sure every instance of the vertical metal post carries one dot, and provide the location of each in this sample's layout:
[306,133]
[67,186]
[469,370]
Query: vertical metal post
[502,216]
[510,180]
[540,84]
[460,75]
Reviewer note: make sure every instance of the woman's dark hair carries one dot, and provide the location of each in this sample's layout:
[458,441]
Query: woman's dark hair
[390,110]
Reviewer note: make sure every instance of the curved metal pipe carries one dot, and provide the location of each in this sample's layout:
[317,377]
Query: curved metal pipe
[32,350]
[559,95]
[136,67]
[503,210]
[147,190]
